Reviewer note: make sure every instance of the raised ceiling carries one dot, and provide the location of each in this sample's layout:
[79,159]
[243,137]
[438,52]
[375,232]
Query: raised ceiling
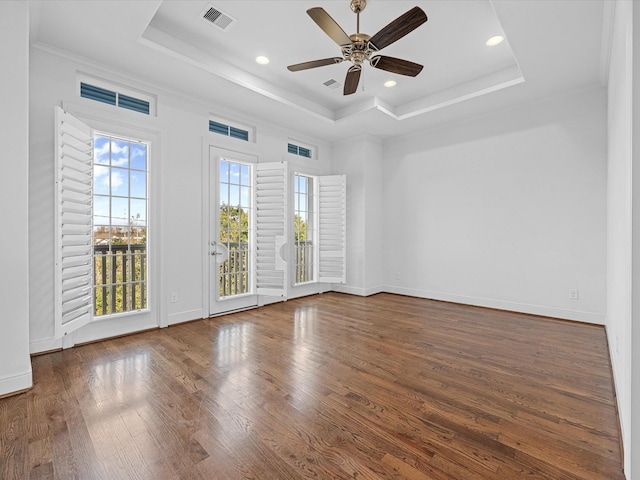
[551,47]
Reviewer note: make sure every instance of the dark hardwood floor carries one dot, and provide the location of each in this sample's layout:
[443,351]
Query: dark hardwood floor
[326,387]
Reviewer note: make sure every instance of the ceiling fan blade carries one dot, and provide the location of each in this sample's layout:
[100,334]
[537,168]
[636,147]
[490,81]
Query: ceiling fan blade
[329,26]
[397,29]
[314,63]
[396,65]
[352,80]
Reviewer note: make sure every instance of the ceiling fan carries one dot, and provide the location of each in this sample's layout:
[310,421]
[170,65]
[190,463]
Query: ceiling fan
[359,47]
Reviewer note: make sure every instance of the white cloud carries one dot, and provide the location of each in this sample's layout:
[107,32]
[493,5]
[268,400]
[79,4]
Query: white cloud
[100,171]
[116,180]
[119,152]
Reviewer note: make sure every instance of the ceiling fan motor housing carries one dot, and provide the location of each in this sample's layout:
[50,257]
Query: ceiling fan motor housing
[359,50]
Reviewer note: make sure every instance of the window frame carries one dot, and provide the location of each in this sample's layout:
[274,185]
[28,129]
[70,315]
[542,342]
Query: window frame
[110,196]
[140,128]
[313,203]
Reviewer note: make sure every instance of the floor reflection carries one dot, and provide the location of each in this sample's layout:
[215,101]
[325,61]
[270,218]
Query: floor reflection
[304,323]
[120,380]
[232,343]
[303,368]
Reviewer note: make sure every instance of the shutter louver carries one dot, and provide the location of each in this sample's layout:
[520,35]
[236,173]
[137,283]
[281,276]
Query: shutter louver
[332,201]
[271,228]
[74,199]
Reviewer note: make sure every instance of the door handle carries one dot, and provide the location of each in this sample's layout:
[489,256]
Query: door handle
[216,253]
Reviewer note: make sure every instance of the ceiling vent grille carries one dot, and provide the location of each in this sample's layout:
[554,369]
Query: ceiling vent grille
[217,17]
[333,84]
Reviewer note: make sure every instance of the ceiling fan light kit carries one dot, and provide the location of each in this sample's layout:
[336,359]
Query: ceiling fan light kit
[360,47]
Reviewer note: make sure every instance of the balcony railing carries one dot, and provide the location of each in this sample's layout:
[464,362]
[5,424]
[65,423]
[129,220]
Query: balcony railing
[120,274]
[234,273]
[303,255]
[120,278]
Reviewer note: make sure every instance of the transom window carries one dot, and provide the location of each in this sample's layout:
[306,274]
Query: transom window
[304,228]
[296,148]
[120,206]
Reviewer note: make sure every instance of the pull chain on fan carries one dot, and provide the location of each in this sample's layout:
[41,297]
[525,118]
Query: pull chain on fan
[360,47]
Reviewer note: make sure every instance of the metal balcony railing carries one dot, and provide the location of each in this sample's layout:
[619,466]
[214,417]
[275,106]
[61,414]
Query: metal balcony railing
[120,278]
[303,256]
[120,274]
[234,273]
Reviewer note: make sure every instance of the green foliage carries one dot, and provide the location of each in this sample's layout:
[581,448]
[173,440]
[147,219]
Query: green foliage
[234,224]
[299,229]
[120,281]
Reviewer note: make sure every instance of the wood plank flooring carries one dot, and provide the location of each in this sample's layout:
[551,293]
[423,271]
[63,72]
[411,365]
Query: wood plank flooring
[325,387]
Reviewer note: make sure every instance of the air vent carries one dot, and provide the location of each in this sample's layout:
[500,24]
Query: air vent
[331,84]
[217,17]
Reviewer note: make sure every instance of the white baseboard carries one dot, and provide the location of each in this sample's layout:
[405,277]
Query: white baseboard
[575,315]
[45,345]
[187,316]
[16,383]
[362,292]
[112,327]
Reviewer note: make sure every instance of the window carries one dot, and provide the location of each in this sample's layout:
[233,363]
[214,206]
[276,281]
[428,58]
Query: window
[111,96]
[304,222]
[101,205]
[235,214]
[229,130]
[302,151]
[319,233]
[120,205]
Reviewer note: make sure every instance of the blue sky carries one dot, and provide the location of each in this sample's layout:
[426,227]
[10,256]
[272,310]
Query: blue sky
[119,173]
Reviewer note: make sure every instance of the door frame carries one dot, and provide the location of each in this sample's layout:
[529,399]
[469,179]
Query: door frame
[210,187]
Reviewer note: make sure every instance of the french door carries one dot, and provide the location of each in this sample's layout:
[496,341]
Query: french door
[248,241]
[231,235]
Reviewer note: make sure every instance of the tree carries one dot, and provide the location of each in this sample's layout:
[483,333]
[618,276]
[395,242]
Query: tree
[299,229]
[234,224]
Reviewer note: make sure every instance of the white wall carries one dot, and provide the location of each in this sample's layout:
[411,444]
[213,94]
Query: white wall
[632,445]
[15,364]
[623,253]
[360,159]
[619,211]
[505,211]
[374,221]
[181,129]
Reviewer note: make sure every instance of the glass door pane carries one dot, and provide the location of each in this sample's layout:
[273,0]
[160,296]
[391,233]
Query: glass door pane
[234,217]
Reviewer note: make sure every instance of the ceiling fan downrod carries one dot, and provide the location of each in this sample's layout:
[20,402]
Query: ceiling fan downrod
[358,6]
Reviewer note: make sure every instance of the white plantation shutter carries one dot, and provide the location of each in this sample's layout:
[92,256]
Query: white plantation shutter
[271,228]
[73,240]
[332,219]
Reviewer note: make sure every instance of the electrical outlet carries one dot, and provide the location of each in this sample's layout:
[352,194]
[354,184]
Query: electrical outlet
[174,297]
[573,294]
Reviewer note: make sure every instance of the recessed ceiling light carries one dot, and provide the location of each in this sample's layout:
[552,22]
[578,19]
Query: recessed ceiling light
[262,60]
[390,83]
[493,41]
